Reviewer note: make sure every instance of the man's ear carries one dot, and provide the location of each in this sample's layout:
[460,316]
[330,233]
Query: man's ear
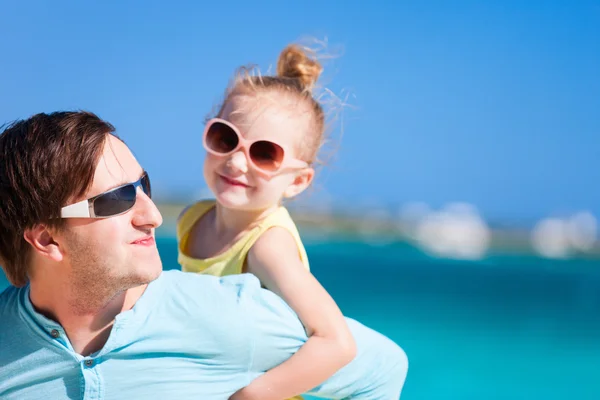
[43,242]
[302,180]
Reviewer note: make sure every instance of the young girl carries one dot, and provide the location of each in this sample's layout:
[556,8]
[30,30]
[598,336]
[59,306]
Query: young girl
[260,150]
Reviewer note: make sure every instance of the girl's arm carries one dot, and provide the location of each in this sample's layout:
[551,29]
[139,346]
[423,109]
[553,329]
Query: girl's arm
[275,261]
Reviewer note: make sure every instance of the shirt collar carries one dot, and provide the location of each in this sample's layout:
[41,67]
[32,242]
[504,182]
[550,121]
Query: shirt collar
[141,308]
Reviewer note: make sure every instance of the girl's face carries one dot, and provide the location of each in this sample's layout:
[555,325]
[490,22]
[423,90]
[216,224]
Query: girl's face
[233,179]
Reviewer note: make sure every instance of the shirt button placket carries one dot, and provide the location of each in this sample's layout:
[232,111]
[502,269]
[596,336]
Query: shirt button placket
[93,382]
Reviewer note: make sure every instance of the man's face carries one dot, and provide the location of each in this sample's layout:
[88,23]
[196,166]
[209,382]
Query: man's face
[104,256]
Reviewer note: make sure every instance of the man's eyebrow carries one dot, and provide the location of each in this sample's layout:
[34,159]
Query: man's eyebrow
[124,182]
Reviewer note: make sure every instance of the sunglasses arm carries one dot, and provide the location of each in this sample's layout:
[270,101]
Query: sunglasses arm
[77,210]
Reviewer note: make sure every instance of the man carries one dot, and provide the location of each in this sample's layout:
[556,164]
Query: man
[91,314]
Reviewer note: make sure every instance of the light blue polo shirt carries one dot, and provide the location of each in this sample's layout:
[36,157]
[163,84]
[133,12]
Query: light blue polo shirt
[189,336]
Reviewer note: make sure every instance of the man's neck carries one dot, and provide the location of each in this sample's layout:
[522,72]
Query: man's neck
[87,324]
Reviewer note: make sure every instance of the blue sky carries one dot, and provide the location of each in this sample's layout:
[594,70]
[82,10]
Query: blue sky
[494,103]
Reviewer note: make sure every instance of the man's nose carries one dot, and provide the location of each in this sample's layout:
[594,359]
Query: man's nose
[146,212]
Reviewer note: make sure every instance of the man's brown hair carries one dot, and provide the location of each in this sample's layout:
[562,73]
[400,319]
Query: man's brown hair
[46,161]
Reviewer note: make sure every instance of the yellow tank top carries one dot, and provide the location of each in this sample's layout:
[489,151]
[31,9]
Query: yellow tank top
[232,260]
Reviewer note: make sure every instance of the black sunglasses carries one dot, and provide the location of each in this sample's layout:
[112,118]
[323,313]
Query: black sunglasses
[109,204]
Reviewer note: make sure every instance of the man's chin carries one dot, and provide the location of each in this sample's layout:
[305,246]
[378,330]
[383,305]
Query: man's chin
[142,275]
[150,274]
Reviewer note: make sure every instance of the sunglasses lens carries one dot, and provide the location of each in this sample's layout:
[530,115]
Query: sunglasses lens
[146,185]
[116,202]
[266,155]
[221,138]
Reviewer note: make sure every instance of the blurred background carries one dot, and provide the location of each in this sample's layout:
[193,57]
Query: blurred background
[457,210]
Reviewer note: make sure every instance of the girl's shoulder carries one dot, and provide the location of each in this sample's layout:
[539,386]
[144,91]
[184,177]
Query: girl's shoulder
[192,213]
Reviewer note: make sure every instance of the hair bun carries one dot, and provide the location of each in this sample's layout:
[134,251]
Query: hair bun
[295,63]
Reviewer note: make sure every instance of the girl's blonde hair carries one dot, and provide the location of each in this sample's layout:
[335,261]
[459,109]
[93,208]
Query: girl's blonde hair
[297,74]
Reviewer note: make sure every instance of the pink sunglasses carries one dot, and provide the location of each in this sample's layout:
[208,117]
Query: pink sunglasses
[222,138]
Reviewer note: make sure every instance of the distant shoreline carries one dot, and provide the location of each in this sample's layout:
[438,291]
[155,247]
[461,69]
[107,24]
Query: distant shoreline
[352,227]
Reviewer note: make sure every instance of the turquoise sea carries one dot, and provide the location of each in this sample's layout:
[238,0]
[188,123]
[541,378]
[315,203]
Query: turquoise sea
[507,327]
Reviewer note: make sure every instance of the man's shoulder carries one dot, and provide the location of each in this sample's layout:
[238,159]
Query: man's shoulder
[199,288]
[9,298]
[220,305]
[178,277]
[9,309]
